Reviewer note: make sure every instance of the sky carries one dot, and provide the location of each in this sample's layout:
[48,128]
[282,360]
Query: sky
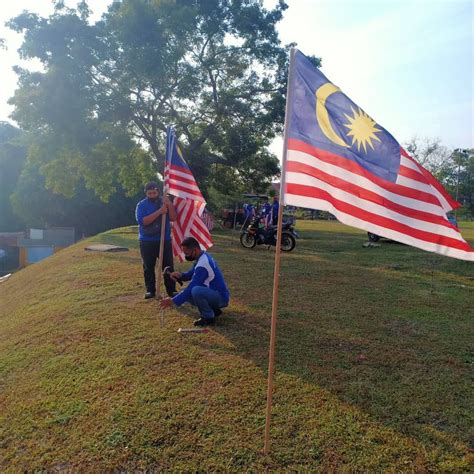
[407,63]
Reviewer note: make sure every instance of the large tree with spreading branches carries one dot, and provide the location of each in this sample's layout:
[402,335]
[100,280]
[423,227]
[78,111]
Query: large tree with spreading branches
[215,69]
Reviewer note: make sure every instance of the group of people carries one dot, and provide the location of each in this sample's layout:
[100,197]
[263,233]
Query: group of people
[207,288]
[268,213]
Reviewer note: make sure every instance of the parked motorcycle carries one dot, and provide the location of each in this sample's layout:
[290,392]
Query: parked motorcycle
[255,234]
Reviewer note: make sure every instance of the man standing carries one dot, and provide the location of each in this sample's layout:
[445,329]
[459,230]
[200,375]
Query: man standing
[266,212]
[249,211]
[207,290]
[149,214]
[274,211]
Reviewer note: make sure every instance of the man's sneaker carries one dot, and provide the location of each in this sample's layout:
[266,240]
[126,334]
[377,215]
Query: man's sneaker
[204,322]
[217,312]
[149,294]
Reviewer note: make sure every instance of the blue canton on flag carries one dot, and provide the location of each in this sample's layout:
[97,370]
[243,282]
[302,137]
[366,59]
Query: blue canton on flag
[323,116]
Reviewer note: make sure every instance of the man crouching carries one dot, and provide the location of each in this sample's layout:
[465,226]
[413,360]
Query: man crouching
[207,290]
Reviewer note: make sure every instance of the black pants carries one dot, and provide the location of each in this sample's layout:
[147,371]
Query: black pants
[150,252]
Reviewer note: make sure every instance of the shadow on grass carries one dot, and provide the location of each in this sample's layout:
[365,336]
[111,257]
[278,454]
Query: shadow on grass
[373,326]
[419,392]
[385,329]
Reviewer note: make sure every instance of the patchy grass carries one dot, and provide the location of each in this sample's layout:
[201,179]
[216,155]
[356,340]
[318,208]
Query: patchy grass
[374,362]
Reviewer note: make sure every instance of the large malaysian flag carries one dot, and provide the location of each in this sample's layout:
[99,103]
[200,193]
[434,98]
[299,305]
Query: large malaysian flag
[340,160]
[189,202]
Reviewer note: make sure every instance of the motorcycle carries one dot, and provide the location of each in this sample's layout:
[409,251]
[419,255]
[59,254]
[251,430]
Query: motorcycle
[255,234]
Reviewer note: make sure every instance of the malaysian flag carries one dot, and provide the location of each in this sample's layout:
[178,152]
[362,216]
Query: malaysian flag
[208,219]
[341,161]
[189,202]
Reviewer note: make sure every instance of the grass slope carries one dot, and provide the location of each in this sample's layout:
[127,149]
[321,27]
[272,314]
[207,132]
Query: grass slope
[374,362]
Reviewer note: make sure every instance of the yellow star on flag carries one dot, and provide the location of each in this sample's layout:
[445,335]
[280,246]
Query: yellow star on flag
[362,129]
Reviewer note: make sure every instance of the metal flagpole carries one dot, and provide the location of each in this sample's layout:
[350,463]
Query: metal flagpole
[276,273]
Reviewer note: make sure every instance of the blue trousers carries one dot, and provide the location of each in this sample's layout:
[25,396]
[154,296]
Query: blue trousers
[207,301]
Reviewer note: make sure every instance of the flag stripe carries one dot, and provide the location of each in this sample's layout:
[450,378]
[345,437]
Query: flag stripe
[180,180]
[411,173]
[364,182]
[417,186]
[353,167]
[181,177]
[305,183]
[365,193]
[447,201]
[182,171]
[183,190]
[405,161]
[370,217]
[208,219]
[312,203]
[188,224]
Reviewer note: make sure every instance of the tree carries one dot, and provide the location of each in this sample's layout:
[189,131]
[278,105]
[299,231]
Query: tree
[429,152]
[37,206]
[13,152]
[457,175]
[215,69]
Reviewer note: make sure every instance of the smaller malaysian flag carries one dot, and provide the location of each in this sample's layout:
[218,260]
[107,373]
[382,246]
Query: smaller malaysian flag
[189,202]
[208,219]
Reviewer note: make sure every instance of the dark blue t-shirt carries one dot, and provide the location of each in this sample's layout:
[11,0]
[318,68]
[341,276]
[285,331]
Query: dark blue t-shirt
[266,209]
[152,232]
[274,212]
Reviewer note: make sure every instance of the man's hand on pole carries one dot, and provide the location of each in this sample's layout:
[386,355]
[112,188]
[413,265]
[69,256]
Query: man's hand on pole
[166,303]
[175,276]
[171,210]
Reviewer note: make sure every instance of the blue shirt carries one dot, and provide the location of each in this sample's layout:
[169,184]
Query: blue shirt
[204,272]
[266,209]
[274,212]
[249,210]
[152,232]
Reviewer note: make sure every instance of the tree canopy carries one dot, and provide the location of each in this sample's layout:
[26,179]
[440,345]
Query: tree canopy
[25,201]
[13,151]
[215,69]
[37,206]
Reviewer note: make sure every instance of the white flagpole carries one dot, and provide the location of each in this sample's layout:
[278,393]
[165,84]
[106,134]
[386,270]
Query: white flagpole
[276,274]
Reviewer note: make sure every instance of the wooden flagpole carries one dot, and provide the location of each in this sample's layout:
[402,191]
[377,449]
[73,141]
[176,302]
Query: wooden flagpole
[159,294]
[276,273]
[160,255]
[233,227]
[162,246]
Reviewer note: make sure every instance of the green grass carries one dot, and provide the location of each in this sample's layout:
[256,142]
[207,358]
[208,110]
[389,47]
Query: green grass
[374,362]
